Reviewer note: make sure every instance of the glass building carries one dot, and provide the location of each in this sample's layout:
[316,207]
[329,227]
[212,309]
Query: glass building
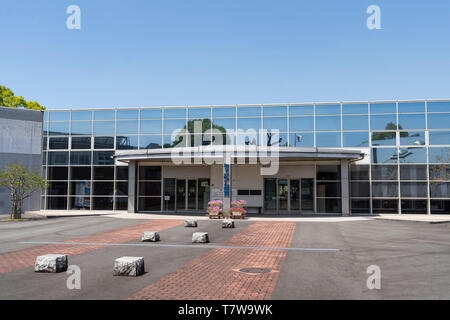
[349,158]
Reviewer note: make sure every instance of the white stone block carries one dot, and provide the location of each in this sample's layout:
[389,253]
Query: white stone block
[190,223]
[128,266]
[227,224]
[200,237]
[51,263]
[150,236]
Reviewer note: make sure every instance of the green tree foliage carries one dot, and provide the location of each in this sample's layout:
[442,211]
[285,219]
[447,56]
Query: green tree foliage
[21,182]
[8,99]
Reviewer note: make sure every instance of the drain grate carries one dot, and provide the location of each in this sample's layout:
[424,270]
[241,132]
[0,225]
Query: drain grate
[255,270]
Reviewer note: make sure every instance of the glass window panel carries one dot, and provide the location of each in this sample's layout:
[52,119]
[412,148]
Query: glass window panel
[270,111]
[150,203]
[384,155]
[328,109]
[305,110]
[416,138]
[278,123]
[198,126]
[224,112]
[356,108]
[328,172]
[102,203]
[104,143]
[150,188]
[44,143]
[438,106]
[58,158]
[80,158]
[440,206]
[249,123]
[177,141]
[58,143]
[359,172]
[195,140]
[46,115]
[127,114]
[44,158]
[125,127]
[57,203]
[328,139]
[384,206]
[104,173]
[438,121]
[122,188]
[57,188]
[250,138]
[103,188]
[57,173]
[58,128]
[81,115]
[80,173]
[383,122]
[151,113]
[150,142]
[360,189]
[439,155]
[412,155]
[80,188]
[328,189]
[404,107]
[174,113]
[104,115]
[411,121]
[149,173]
[221,124]
[413,172]
[384,172]
[355,122]
[328,123]
[81,128]
[45,128]
[301,139]
[199,113]
[413,189]
[439,137]
[385,189]
[102,128]
[174,126]
[388,107]
[356,139]
[440,172]
[328,205]
[59,115]
[103,157]
[272,139]
[440,190]
[121,173]
[127,142]
[151,126]
[249,111]
[301,123]
[121,203]
[360,205]
[414,206]
[81,142]
[384,138]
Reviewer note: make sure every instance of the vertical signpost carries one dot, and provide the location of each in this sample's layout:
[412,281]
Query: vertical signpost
[226,186]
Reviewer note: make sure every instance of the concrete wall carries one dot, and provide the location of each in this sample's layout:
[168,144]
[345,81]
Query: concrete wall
[21,142]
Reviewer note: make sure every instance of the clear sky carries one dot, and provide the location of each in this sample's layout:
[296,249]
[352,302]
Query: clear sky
[217,52]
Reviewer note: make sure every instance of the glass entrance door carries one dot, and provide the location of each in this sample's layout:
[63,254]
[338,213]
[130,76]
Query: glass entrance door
[181,195]
[169,194]
[270,195]
[295,196]
[307,191]
[192,195]
[203,194]
[283,193]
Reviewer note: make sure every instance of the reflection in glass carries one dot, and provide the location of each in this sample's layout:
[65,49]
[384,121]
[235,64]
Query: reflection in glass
[384,138]
[199,113]
[438,106]
[104,115]
[404,107]
[328,139]
[274,139]
[249,123]
[102,128]
[328,123]
[174,113]
[174,126]
[228,123]
[383,122]
[58,128]
[59,115]
[301,139]
[127,114]
[151,142]
[81,115]
[270,111]
[126,142]
[278,123]
[439,137]
[438,121]
[151,126]
[81,128]
[151,114]
[439,155]
[356,108]
[176,141]
[412,155]
[355,122]
[322,109]
[411,121]
[413,138]
[224,112]
[384,155]
[304,110]
[125,127]
[356,139]
[249,111]
[104,143]
[389,107]
[301,123]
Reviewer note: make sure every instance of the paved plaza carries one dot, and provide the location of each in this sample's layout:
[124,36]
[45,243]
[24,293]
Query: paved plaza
[297,259]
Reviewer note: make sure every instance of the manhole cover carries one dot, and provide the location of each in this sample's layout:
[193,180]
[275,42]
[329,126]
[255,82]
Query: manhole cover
[255,270]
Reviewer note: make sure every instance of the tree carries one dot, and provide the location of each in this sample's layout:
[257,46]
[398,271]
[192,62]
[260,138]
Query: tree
[8,99]
[21,182]
[441,170]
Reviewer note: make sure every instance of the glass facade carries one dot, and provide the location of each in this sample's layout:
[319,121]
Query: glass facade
[405,143]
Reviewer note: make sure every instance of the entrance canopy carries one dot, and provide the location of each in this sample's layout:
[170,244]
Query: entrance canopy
[250,153]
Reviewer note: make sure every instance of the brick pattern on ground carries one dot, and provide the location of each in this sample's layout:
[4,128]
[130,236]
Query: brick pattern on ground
[216,275]
[24,258]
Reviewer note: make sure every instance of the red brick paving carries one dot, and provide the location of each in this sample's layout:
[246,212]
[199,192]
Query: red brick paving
[24,258]
[216,275]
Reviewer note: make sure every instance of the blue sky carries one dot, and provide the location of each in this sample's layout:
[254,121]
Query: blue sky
[217,52]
